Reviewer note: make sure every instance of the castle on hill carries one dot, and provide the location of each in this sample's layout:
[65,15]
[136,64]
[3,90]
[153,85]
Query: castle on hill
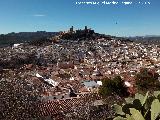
[85,30]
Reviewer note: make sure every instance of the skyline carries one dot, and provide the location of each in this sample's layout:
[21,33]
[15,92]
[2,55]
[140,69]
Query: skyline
[54,16]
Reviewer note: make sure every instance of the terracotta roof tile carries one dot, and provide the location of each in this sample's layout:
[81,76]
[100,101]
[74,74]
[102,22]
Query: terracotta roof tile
[65,105]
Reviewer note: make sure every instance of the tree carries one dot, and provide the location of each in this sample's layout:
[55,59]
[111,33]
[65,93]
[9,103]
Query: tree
[146,79]
[113,86]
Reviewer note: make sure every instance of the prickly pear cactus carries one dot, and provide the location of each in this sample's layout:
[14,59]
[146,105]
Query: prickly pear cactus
[155,109]
[118,109]
[141,97]
[129,100]
[140,108]
[119,118]
[136,114]
[156,93]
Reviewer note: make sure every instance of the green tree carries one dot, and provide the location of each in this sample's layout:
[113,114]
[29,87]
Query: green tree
[113,86]
[146,79]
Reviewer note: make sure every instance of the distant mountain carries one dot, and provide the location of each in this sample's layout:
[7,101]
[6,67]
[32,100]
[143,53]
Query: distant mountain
[152,36]
[146,39]
[24,37]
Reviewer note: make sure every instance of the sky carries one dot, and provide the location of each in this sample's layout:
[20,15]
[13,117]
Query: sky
[136,19]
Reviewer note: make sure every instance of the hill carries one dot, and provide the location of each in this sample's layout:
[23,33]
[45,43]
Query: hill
[23,37]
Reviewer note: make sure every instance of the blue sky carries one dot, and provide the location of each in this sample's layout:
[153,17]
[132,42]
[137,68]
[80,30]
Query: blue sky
[56,15]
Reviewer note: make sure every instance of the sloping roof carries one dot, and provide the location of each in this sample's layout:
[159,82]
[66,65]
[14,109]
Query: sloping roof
[65,105]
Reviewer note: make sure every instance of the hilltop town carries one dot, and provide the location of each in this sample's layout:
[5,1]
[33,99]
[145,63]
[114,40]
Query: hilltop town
[64,75]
